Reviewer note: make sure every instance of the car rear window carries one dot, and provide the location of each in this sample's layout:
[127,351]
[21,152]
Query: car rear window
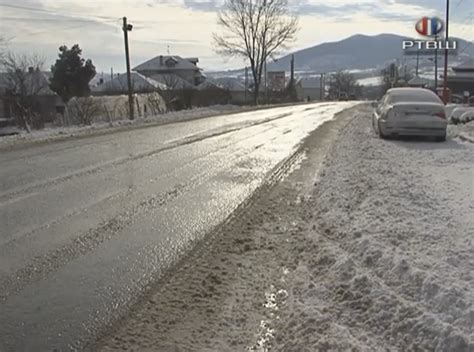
[414,97]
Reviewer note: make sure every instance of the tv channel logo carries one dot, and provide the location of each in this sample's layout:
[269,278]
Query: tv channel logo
[429,27]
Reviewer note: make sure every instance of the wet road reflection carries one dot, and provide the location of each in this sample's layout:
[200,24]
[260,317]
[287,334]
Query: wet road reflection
[87,224]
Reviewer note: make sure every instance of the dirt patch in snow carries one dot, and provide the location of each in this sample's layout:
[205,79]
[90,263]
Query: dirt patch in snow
[367,245]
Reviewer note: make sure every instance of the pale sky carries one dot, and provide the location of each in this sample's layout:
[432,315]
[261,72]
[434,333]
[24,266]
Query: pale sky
[185,27]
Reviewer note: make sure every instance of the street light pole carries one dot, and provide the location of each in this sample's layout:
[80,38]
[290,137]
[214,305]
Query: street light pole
[446,53]
[128,28]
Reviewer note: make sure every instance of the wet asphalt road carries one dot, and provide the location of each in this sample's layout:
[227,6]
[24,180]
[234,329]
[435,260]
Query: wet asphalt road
[87,224]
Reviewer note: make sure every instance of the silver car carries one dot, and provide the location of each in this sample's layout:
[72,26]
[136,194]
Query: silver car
[410,112]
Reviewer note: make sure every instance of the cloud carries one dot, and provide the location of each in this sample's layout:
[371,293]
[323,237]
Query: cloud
[186,26]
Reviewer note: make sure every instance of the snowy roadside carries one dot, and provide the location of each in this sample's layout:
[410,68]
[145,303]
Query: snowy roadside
[464,131]
[225,294]
[61,133]
[389,264]
[53,134]
[367,245]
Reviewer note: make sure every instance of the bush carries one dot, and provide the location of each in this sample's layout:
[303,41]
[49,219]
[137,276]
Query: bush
[84,110]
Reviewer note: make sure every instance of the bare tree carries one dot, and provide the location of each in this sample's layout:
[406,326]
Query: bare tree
[255,30]
[85,109]
[24,82]
[3,47]
[177,92]
[156,103]
[400,79]
[344,82]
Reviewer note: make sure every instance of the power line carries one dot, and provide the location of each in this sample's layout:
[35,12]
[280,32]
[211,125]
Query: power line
[459,3]
[54,12]
[55,20]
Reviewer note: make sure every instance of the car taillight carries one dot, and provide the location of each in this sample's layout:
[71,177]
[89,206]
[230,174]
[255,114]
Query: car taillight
[441,114]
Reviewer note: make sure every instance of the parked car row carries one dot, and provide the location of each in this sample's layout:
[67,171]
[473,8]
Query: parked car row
[460,113]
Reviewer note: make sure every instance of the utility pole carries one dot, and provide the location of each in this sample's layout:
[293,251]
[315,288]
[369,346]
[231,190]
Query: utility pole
[292,85]
[446,53]
[417,61]
[436,68]
[292,69]
[111,73]
[321,87]
[128,28]
[246,82]
[266,83]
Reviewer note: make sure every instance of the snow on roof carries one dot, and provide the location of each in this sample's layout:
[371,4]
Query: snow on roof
[408,90]
[208,85]
[172,81]
[167,63]
[119,84]
[230,83]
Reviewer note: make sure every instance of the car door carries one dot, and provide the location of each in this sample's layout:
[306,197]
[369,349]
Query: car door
[377,113]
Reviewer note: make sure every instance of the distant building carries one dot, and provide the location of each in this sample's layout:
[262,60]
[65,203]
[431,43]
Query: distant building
[184,68]
[309,89]
[276,80]
[236,88]
[461,79]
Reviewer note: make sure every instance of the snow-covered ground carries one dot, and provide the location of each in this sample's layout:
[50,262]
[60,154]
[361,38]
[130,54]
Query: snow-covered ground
[389,264]
[464,131]
[371,81]
[53,133]
[366,246]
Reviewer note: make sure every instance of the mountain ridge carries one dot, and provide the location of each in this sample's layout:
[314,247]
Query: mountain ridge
[355,52]
[358,51]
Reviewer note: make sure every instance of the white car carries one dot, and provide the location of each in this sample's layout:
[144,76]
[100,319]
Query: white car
[468,116]
[410,112]
[460,114]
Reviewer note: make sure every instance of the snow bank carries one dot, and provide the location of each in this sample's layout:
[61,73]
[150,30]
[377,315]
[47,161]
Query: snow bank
[55,133]
[464,131]
[387,262]
[460,114]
